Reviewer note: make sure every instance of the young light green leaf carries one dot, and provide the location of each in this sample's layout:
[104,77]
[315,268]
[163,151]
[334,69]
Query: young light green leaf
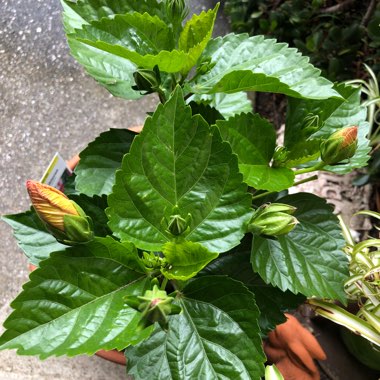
[195,36]
[95,173]
[258,64]
[84,285]
[272,373]
[111,71]
[177,162]
[218,322]
[142,39]
[308,260]
[185,260]
[32,236]
[84,11]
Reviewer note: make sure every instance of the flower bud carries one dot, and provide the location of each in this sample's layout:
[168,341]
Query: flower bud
[62,217]
[340,146]
[155,306]
[273,219]
[177,9]
[147,80]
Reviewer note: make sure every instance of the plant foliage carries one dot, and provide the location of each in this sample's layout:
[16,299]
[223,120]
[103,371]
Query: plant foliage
[178,274]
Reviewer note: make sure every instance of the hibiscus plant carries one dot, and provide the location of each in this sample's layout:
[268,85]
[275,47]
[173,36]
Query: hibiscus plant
[181,245]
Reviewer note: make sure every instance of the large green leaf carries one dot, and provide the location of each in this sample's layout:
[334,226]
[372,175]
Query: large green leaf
[240,63]
[32,236]
[253,139]
[74,303]
[77,13]
[185,259]
[216,336]
[142,39]
[272,301]
[333,115]
[308,260]
[228,105]
[178,162]
[95,173]
[195,36]
[111,71]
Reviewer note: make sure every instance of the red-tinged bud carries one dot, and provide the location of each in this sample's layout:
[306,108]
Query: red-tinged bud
[63,218]
[50,204]
[340,146]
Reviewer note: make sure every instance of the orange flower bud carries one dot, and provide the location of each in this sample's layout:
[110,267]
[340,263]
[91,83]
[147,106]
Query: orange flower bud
[340,146]
[50,204]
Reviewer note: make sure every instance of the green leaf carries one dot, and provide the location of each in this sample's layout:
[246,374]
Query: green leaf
[32,236]
[333,115]
[185,259]
[112,72]
[272,301]
[84,11]
[258,64]
[177,161]
[95,173]
[263,177]
[195,36]
[74,303]
[216,336]
[142,39]
[309,259]
[253,139]
[227,104]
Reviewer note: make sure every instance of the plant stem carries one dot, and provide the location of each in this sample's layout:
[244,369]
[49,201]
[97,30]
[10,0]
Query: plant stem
[308,179]
[262,195]
[312,178]
[164,283]
[314,168]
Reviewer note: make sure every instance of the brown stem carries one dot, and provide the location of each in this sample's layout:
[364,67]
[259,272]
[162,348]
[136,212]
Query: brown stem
[371,8]
[339,7]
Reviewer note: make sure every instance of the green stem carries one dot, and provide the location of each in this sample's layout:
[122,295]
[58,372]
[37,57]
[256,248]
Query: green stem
[262,195]
[312,178]
[314,168]
[164,283]
[308,179]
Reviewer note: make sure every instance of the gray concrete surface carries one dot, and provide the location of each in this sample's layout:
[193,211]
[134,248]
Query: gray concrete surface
[47,104]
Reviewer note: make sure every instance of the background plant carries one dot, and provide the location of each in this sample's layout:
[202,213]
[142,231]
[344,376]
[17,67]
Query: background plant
[185,265]
[338,36]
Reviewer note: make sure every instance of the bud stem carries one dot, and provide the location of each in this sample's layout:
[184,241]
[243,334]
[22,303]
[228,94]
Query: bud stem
[314,168]
[312,178]
[164,283]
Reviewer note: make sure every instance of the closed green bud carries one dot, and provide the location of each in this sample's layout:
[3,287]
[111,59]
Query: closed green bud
[273,219]
[155,306]
[340,146]
[147,80]
[177,225]
[177,9]
[280,156]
